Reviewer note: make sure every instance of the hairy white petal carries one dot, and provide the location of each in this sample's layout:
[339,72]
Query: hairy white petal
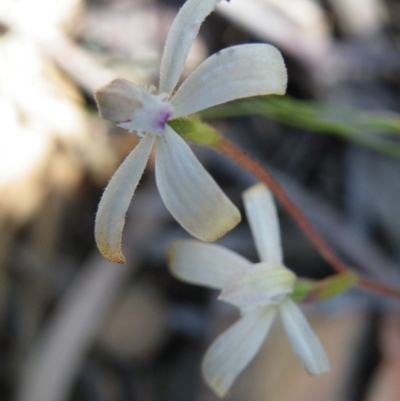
[189,192]
[232,351]
[110,217]
[305,342]
[150,114]
[204,264]
[179,40]
[118,99]
[263,219]
[233,73]
[258,285]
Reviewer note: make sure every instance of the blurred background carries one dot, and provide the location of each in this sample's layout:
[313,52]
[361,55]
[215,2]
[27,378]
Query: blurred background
[74,327]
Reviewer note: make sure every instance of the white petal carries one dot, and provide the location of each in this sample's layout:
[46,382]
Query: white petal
[118,99]
[263,219]
[204,264]
[189,192]
[110,217]
[259,285]
[305,343]
[233,73]
[232,351]
[179,40]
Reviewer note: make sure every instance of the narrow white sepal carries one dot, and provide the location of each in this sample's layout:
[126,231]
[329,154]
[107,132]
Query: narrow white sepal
[264,224]
[233,73]
[233,350]
[117,196]
[189,192]
[304,341]
[204,264]
[181,35]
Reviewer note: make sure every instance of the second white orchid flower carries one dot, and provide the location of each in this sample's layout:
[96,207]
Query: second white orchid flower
[188,191]
[259,290]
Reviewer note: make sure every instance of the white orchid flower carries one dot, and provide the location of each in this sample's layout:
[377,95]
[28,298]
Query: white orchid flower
[188,191]
[259,290]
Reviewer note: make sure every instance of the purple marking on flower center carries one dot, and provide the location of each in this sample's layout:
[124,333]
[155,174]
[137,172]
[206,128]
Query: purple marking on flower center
[163,118]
